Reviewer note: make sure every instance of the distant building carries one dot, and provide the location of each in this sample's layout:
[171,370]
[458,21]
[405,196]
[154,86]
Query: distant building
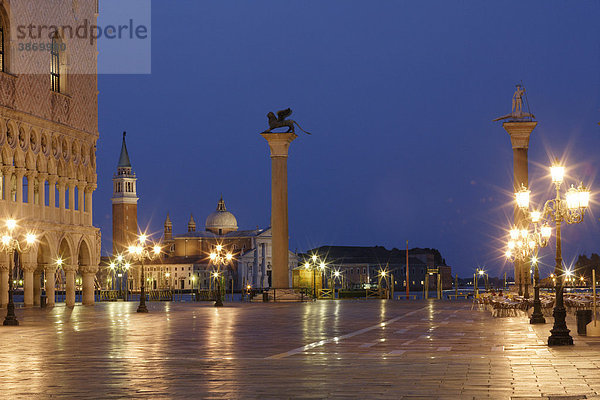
[360,265]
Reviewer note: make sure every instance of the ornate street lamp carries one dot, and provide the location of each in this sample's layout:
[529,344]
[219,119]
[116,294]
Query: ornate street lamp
[120,268]
[570,210]
[219,258]
[523,246]
[139,252]
[314,263]
[11,245]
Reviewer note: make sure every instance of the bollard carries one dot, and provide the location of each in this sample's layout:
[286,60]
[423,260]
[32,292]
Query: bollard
[43,301]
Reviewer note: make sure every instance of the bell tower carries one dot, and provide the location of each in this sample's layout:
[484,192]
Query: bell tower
[124,203]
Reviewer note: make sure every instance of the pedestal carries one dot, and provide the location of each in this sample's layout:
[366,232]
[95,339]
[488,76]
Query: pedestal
[520,132]
[279,144]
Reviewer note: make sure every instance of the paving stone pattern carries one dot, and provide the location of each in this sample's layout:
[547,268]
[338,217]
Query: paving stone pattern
[328,349]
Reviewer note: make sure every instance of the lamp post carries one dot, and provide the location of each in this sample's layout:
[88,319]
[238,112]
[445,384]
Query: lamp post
[570,210]
[383,274]
[11,245]
[523,245]
[139,251]
[314,263]
[120,267]
[218,258]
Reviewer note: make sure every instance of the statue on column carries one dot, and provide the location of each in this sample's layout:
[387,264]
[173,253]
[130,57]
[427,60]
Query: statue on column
[517,113]
[280,121]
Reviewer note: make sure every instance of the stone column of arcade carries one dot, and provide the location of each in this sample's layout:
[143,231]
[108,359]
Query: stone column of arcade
[279,144]
[89,273]
[50,275]
[70,278]
[28,269]
[520,132]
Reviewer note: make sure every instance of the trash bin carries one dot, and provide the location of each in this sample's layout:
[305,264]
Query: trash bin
[265,297]
[43,301]
[584,317]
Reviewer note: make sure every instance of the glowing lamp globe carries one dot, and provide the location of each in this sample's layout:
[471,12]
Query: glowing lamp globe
[558,174]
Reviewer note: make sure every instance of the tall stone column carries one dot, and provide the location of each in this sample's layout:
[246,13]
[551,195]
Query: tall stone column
[50,275]
[89,273]
[520,132]
[70,278]
[28,269]
[37,287]
[31,175]
[279,144]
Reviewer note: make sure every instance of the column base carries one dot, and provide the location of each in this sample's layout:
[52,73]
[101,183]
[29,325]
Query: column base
[537,319]
[560,333]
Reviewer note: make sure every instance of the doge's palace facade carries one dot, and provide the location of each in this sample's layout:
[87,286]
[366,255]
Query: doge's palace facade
[48,134]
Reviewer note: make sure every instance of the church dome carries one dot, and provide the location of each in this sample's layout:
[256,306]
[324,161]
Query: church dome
[221,221]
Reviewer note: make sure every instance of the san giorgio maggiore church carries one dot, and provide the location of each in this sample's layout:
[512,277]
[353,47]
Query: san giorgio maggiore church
[185,264]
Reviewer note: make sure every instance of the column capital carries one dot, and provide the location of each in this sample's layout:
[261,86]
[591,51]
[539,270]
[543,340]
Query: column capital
[52,178]
[50,269]
[69,268]
[29,266]
[42,175]
[3,267]
[31,174]
[8,169]
[279,143]
[62,181]
[20,171]
[91,187]
[88,269]
[519,133]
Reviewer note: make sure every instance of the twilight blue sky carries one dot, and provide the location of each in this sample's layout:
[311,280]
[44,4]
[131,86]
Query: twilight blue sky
[400,97]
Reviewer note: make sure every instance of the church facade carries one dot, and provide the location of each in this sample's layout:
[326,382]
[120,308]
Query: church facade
[48,134]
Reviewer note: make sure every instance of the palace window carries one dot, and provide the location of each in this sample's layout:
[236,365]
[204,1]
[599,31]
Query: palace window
[55,64]
[1,45]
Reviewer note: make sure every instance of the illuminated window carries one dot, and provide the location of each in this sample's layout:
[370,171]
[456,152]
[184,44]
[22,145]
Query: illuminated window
[1,44]
[55,64]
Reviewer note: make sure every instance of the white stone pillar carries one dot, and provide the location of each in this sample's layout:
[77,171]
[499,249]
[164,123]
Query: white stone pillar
[89,273]
[52,179]
[81,201]
[42,188]
[28,269]
[37,287]
[20,173]
[50,276]
[70,276]
[279,144]
[71,185]
[62,184]
[31,175]
[89,189]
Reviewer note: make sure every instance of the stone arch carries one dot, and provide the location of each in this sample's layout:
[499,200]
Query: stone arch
[84,255]
[65,251]
[44,253]
[23,137]
[19,158]
[51,166]
[41,165]
[61,169]
[30,162]
[7,156]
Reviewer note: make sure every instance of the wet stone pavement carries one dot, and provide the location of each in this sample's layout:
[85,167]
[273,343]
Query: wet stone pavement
[328,349]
